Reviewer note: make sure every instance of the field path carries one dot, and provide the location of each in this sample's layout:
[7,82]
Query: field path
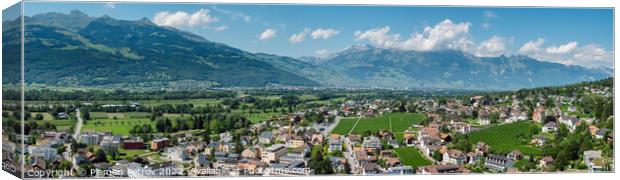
[358,120]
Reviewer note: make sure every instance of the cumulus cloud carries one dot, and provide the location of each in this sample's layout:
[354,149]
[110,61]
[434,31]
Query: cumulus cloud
[267,34]
[321,53]
[181,19]
[299,37]
[590,55]
[562,49]
[324,33]
[492,47]
[443,35]
[532,46]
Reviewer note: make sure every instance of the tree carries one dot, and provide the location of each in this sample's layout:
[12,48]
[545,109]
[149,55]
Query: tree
[38,117]
[100,156]
[86,115]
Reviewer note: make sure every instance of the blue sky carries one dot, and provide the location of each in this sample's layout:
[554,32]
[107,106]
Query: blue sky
[568,36]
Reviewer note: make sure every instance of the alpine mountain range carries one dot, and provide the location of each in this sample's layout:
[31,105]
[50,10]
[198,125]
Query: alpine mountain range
[78,50]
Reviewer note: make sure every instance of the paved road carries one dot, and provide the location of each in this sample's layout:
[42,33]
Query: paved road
[349,156]
[329,128]
[78,126]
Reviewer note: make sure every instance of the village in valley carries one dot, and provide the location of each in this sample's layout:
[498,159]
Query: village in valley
[296,132]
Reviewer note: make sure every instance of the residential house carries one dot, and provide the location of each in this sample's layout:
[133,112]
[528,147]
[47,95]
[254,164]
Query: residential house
[159,144]
[177,153]
[316,138]
[201,161]
[546,161]
[355,138]
[443,169]
[334,145]
[409,138]
[498,163]
[295,142]
[372,142]
[550,126]
[401,170]
[515,155]
[594,160]
[265,137]
[454,156]
[570,122]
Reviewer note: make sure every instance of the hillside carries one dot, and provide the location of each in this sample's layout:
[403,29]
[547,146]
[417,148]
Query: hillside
[117,52]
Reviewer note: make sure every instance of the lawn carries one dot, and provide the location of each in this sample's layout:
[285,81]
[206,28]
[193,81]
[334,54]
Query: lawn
[396,122]
[117,126]
[411,156]
[138,114]
[344,126]
[98,115]
[259,117]
[504,138]
[46,115]
[132,152]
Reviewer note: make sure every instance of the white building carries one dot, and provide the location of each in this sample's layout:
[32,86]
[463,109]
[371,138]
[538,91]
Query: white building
[177,153]
[46,153]
[273,153]
[90,138]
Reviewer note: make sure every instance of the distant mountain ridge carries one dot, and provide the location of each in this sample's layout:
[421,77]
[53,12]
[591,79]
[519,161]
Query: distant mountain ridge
[77,50]
[452,69]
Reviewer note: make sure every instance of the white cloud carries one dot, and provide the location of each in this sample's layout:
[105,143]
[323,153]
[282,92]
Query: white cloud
[590,55]
[110,5]
[492,47]
[443,35]
[532,46]
[324,33]
[321,53]
[562,49]
[267,34]
[379,37]
[299,37]
[182,19]
[221,28]
[233,14]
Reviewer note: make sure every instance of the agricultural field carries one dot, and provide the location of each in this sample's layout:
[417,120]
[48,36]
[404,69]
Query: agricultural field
[411,156]
[259,117]
[329,101]
[117,126]
[195,102]
[60,124]
[506,138]
[46,115]
[396,122]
